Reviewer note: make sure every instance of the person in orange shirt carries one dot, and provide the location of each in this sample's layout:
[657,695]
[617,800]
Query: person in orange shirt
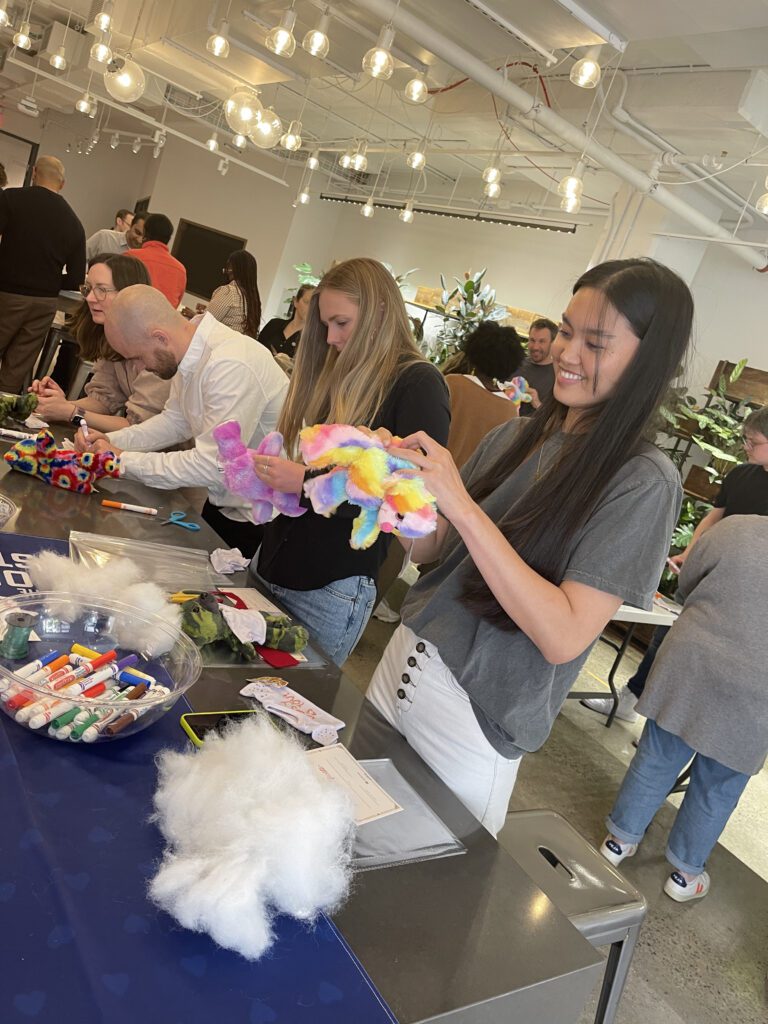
[165,272]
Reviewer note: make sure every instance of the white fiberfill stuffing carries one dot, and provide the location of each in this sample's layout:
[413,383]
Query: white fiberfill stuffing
[252,831]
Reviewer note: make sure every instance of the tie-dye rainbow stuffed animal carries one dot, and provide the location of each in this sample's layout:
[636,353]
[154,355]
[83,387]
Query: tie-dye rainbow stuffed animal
[517,391]
[61,467]
[391,494]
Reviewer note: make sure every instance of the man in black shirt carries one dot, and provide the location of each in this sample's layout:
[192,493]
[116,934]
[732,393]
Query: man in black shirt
[537,368]
[41,235]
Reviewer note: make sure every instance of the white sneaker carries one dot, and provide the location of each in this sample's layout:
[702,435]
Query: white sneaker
[384,613]
[616,852]
[604,705]
[681,891]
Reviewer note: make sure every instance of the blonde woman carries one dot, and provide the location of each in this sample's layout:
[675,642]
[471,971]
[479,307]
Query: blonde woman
[357,364]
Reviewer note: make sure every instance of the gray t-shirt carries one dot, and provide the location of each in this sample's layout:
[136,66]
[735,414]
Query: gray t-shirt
[515,692]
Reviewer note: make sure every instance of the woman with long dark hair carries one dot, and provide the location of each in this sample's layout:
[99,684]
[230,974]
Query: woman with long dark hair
[552,524]
[237,303]
[120,392]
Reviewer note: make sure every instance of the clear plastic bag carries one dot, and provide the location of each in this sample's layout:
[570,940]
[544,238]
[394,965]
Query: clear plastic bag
[172,568]
[415,833]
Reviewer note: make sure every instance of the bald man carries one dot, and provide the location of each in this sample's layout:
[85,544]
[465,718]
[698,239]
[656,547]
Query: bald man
[217,375]
[42,251]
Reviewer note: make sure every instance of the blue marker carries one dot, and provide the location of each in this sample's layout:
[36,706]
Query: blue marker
[34,666]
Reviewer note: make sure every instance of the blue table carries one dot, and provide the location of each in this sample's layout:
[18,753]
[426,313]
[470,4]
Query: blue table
[81,943]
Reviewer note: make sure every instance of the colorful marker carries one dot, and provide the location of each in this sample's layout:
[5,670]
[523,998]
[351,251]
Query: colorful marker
[85,683]
[129,716]
[144,509]
[69,675]
[90,730]
[34,666]
[8,688]
[41,716]
[134,673]
[16,697]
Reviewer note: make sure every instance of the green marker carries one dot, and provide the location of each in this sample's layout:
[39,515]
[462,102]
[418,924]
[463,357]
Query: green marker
[80,728]
[64,719]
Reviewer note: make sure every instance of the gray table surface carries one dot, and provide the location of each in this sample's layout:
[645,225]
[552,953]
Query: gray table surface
[466,939]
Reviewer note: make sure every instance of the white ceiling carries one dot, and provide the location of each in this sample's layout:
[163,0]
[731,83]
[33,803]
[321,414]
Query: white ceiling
[683,73]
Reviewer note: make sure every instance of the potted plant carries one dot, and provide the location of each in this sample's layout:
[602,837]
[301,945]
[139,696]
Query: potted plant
[473,302]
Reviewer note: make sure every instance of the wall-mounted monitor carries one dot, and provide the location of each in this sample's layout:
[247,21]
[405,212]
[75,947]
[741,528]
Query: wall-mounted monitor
[204,251]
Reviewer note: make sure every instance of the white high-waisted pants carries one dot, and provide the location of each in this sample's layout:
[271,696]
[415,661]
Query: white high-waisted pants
[420,698]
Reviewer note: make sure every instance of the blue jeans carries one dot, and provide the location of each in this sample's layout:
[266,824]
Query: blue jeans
[335,615]
[712,794]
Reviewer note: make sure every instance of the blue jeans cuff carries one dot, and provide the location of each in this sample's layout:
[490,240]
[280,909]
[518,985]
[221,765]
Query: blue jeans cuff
[621,834]
[681,865]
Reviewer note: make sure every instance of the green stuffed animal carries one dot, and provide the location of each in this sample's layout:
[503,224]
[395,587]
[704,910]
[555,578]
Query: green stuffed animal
[16,407]
[202,621]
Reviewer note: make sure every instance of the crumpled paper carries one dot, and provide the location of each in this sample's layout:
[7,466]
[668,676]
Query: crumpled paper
[228,560]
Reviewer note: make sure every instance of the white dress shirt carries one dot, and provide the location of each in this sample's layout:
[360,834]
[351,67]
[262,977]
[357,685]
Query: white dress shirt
[223,376]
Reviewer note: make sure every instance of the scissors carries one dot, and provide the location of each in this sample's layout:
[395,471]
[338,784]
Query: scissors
[177,519]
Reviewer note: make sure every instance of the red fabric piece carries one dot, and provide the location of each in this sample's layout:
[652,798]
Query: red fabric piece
[277,659]
[165,272]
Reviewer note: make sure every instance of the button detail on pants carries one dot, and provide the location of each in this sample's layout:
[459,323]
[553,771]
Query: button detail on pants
[401,693]
[405,677]
[412,662]
[421,647]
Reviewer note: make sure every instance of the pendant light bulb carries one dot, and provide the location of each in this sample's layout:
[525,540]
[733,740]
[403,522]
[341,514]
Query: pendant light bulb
[492,189]
[316,41]
[492,174]
[103,19]
[378,62]
[267,131]
[762,204]
[101,53]
[212,144]
[585,73]
[22,38]
[124,80]
[346,160]
[58,60]
[571,203]
[303,197]
[84,103]
[368,209]
[417,91]
[242,111]
[359,160]
[313,160]
[406,214]
[281,39]
[416,160]
[4,18]
[292,138]
[218,43]
[572,184]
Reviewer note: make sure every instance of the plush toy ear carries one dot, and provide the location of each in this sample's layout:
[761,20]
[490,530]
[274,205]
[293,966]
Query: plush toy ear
[45,443]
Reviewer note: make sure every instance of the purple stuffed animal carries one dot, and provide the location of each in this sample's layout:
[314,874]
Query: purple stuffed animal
[240,476]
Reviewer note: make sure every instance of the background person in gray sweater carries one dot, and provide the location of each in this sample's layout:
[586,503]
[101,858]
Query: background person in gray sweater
[706,698]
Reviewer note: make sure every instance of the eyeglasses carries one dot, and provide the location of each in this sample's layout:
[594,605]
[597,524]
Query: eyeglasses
[749,444]
[99,290]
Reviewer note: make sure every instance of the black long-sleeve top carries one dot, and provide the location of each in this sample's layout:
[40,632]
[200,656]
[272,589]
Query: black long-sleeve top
[309,552]
[41,234]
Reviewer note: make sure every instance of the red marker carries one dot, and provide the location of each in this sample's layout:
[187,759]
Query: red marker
[70,675]
[16,697]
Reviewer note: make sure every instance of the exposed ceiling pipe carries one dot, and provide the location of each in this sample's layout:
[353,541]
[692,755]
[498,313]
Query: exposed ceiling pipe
[636,130]
[592,23]
[531,107]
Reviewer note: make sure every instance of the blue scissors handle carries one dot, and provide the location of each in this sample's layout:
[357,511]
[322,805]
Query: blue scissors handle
[177,519]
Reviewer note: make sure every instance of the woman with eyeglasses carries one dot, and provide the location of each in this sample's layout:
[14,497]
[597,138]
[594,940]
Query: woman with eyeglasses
[120,392]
